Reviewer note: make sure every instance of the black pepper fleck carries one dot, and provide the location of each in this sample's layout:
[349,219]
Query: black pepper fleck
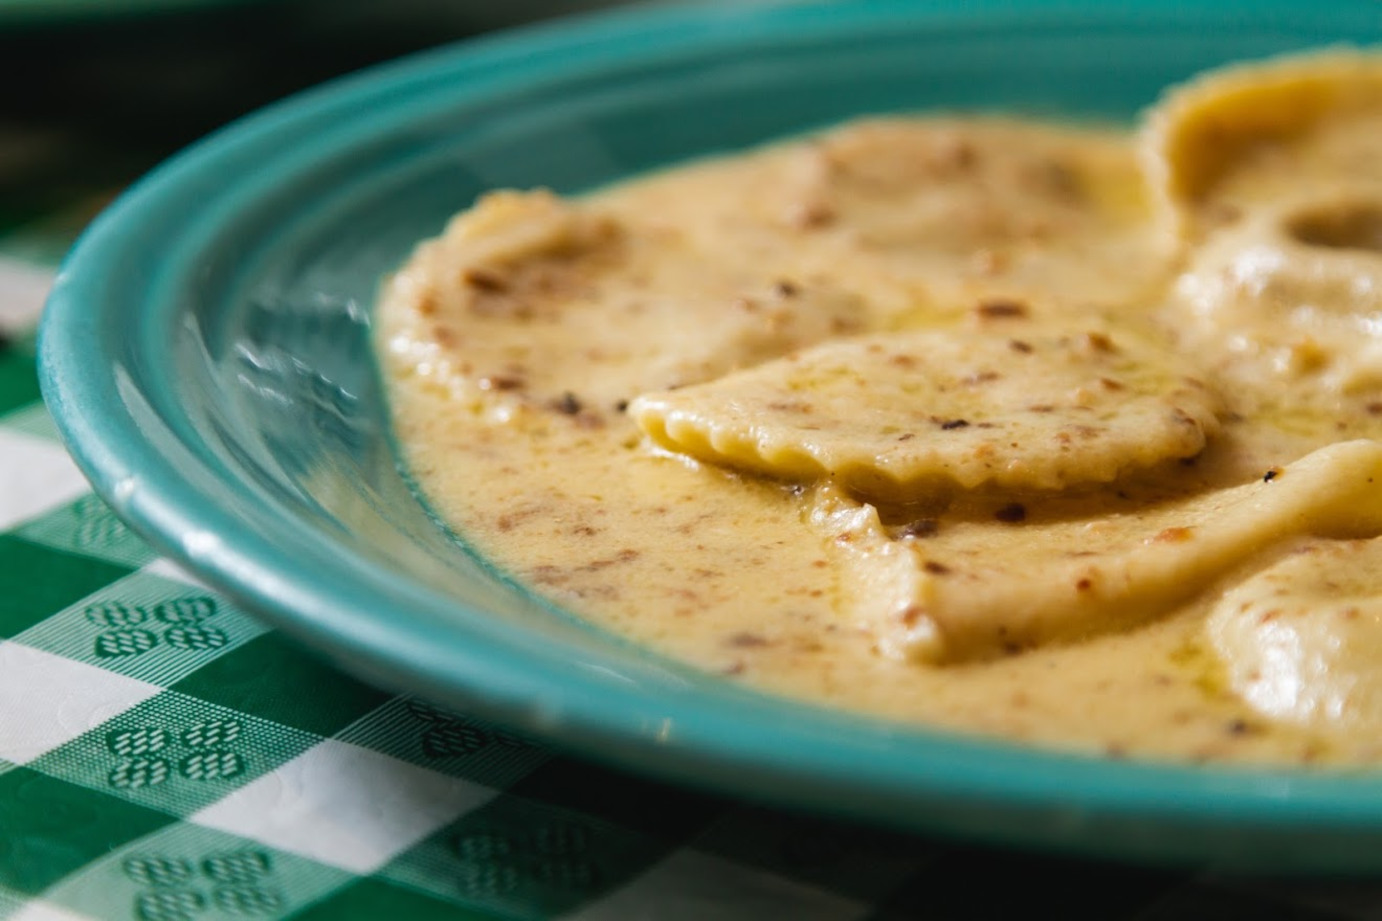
[501,382]
[1001,309]
[1012,513]
[485,280]
[567,403]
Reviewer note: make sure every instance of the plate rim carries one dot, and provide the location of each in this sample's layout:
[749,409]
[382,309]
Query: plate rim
[868,763]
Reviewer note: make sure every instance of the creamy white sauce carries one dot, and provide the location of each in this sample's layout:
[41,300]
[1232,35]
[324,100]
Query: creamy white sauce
[1137,396]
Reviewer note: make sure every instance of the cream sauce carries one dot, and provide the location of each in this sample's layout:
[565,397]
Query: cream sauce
[1051,585]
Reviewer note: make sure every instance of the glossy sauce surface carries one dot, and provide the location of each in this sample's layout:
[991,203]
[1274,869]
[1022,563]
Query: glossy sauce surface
[979,423]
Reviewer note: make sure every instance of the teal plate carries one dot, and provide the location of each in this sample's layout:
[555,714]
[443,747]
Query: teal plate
[206,353]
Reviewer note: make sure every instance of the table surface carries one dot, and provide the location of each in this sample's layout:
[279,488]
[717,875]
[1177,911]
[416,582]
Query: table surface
[164,756]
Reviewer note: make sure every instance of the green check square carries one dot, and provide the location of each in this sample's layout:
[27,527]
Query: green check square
[88,526]
[276,680]
[38,581]
[413,730]
[528,859]
[50,828]
[147,627]
[185,871]
[372,899]
[18,379]
[175,753]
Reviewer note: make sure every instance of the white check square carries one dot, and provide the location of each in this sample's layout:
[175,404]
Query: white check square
[46,700]
[23,289]
[46,911]
[344,806]
[35,475]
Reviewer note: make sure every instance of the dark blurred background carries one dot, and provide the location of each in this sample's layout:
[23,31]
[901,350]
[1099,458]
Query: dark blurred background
[94,92]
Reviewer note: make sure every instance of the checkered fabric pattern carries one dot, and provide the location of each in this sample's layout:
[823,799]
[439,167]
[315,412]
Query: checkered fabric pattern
[166,757]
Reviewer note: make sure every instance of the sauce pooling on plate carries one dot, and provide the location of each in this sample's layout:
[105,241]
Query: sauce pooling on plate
[1065,435]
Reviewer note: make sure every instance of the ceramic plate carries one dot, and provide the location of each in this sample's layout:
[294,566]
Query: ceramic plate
[206,352]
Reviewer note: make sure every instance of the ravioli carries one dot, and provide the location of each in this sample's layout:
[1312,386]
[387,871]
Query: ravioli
[1253,134]
[1274,171]
[1299,640]
[1066,434]
[1055,218]
[1279,300]
[1067,577]
[899,417]
[519,267]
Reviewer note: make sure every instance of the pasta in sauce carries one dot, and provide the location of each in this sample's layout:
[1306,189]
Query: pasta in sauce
[1067,435]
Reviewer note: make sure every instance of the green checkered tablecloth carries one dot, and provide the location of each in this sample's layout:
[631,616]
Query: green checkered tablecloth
[166,757]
